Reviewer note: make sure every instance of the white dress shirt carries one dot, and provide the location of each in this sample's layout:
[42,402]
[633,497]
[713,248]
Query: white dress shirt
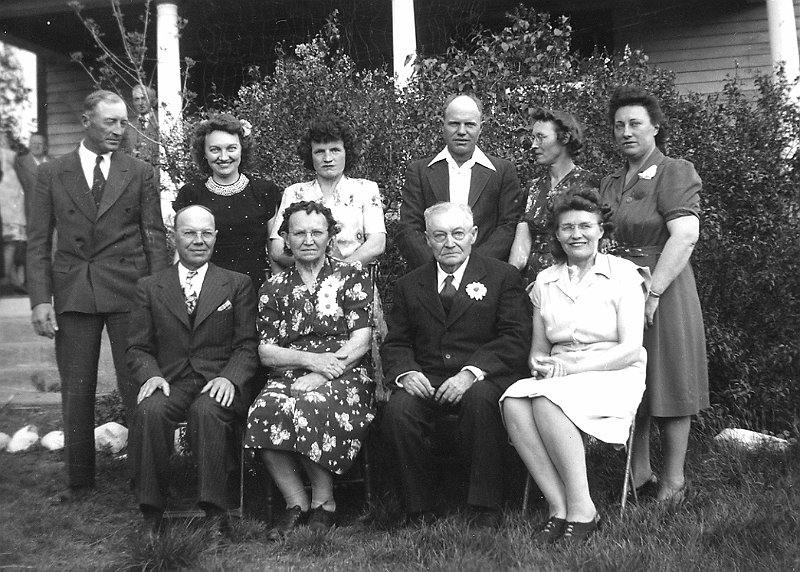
[197,281]
[88,160]
[460,177]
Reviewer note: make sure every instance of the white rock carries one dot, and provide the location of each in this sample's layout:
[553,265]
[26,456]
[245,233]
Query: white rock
[53,441]
[751,439]
[5,439]
[110,436]
[23,439]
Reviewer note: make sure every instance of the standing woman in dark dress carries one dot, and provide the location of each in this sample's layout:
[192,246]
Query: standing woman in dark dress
[656,204]
[244,208]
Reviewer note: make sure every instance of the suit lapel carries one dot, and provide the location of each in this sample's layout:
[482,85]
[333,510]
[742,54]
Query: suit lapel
[76,186]
[212,294]
[474,272]
[429,294]
[118,177]
[439,178]
[172,295]
[477,182]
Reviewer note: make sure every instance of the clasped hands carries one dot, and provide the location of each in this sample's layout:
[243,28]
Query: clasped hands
[449,393]
[547,367]
[221,389]
[324,367]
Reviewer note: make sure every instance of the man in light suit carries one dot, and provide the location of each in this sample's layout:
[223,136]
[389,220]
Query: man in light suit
[193,351]
[461,173]
[142,138]
[26,165]
[107,214]
[459,335]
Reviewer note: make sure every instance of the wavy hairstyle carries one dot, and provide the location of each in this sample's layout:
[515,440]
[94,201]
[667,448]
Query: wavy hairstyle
[222,122]
[577,198]
[626,95]
[308,207]
[325,129]
[568,130]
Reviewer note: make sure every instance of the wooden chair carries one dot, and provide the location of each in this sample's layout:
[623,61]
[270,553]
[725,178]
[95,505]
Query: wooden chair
[627,484]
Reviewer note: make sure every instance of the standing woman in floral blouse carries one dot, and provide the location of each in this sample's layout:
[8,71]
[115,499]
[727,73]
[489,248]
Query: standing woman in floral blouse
[556,141]
[656,204]
[314,324]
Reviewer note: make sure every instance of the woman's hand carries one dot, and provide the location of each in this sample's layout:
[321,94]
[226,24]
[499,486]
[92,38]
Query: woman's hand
[329,365]
[306,383]
[548,367]
[650,307]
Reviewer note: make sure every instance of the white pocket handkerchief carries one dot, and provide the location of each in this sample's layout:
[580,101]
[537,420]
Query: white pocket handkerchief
[226,306]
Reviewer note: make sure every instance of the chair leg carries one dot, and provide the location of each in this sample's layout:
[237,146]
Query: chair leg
[366,468]
[628,474]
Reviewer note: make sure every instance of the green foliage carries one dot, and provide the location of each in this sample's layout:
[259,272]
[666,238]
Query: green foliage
[747,259]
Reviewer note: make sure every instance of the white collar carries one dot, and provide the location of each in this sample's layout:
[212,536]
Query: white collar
[458,275]
[198,279]
[478,157]
[90,156]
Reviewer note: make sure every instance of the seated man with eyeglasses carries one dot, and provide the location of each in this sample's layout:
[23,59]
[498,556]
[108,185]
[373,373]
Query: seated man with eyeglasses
[459,331]
[192,348]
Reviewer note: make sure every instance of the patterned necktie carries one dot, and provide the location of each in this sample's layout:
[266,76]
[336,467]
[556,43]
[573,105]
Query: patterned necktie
[98,181]
[142,122]
[448,293]
[189,293]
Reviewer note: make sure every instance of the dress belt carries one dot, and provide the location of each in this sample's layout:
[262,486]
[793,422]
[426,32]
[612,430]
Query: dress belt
[637,251]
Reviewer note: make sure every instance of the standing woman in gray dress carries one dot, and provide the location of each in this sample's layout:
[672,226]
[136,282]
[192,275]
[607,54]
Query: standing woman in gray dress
[656,204]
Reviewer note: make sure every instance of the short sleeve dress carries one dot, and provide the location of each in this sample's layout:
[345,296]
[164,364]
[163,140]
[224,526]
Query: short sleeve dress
[327,425]
[581,318]
[537,214]
[356,206]
[664,189]
[241,219]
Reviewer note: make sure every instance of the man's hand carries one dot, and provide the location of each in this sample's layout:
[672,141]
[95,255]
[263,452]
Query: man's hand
[308,382]
[417,384]
[221,389]
[43,319]
[328,364]
[150,386]
[453,388]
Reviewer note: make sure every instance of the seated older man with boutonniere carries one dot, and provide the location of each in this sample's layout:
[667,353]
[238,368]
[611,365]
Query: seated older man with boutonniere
[458,332]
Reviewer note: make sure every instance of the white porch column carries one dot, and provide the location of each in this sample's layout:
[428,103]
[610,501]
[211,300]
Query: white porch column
[404,40]
[169,86]
[783,36]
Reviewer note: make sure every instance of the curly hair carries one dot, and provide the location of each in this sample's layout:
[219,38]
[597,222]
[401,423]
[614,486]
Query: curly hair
[577,198]
[222,122]
[626,95]
[326,129]
[308,207]
[568,130]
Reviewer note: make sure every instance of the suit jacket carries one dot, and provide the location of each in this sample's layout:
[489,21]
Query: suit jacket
[26,169]
[220,342]
[495,198]
[492,331]
[100,252]
[142,143]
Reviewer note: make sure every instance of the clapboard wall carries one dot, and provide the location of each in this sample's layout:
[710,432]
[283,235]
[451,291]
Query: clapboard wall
[703,46]
[65,87]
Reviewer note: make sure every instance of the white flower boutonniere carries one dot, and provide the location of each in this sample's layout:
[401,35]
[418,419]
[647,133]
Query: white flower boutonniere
[648,173]
[476,291]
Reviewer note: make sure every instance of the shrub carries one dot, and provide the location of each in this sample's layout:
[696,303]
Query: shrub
[747,260]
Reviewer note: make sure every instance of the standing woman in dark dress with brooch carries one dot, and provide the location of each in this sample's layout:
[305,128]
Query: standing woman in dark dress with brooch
[656,205]
[244,208]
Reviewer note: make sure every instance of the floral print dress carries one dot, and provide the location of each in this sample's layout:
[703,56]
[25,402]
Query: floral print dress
[327,425]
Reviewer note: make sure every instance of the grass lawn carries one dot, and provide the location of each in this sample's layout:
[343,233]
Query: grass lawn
[742,513]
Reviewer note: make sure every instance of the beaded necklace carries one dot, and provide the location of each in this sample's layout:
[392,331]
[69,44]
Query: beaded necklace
[227,190]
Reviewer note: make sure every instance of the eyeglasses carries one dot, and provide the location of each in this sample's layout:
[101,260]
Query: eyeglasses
[314,234]
[204,235]
[570,228]
[440,236]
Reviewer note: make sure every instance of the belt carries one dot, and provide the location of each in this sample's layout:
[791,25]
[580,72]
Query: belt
[637,251]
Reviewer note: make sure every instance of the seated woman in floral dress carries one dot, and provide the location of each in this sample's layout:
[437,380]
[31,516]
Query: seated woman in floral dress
[314,324]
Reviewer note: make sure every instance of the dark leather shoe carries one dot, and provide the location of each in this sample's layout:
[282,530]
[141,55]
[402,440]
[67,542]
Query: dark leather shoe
[321,520]
[420,519]
[577,532]
[550,531]
[289,520]
[485,517]
[71,495]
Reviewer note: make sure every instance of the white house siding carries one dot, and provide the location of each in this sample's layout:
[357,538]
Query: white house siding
[704,48]
[66,87]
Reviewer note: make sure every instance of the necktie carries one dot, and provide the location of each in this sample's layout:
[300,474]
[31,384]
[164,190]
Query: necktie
[189,293]
[98,181]
[448,293]
[143,122]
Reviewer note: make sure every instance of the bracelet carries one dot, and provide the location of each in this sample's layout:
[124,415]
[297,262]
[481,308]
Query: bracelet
[654,294]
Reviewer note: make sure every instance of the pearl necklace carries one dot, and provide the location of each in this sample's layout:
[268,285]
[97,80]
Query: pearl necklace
[227,190]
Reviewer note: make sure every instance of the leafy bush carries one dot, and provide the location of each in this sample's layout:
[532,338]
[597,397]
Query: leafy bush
[747,260]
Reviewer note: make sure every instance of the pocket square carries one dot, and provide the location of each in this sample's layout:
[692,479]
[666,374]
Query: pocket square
[226,306]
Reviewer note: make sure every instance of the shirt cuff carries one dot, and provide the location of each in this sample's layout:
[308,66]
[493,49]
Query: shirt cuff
[479,374]
[397,379]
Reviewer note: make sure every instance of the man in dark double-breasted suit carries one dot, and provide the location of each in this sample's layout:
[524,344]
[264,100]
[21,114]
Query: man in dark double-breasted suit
[459,335]
[192,349]
[463,174]
[106,209]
